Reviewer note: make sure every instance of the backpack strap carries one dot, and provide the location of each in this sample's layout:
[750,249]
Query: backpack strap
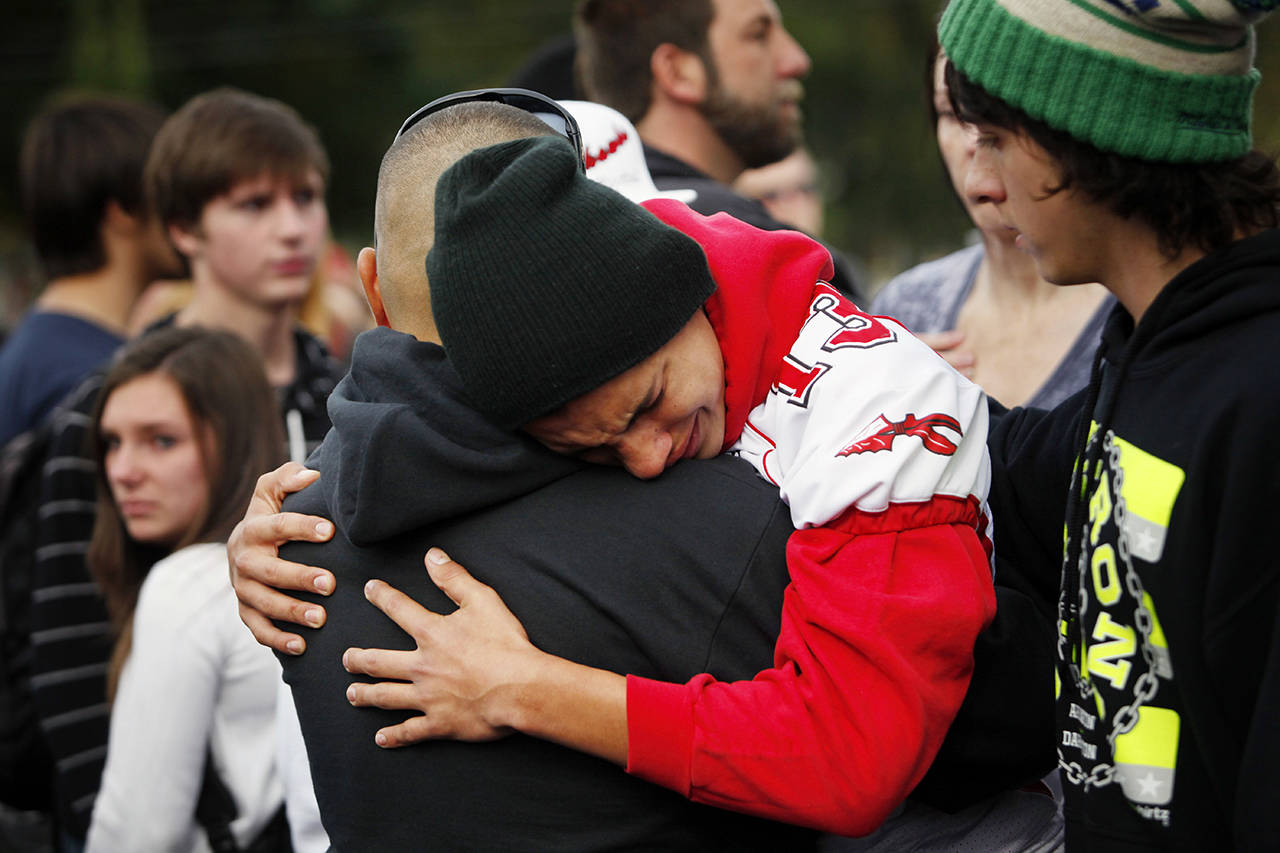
[216,808]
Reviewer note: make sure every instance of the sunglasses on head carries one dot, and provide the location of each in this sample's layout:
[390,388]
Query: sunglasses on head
[552,114]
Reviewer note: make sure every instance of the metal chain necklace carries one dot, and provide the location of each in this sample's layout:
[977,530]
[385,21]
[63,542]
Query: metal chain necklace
[1103,773]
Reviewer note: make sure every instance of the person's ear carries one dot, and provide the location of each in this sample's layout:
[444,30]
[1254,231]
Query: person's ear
[367,269]
[117,220]
[679,74]
[186,239]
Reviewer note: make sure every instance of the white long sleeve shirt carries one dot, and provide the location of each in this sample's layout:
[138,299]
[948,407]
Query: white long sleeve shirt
[195,678]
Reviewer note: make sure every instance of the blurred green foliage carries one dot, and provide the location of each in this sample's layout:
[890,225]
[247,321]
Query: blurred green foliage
[355,68]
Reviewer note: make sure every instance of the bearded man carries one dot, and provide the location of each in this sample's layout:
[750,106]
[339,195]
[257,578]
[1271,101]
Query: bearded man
[712,86]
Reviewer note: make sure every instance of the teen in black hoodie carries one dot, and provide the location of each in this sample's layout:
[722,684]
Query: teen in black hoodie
[1118,148]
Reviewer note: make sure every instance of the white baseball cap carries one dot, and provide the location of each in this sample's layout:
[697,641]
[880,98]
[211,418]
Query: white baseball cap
[613,154]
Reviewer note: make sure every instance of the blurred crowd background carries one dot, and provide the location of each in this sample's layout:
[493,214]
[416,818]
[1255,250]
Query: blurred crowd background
[356,68]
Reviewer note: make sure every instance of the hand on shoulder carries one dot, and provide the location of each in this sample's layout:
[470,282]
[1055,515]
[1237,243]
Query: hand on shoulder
[257,572]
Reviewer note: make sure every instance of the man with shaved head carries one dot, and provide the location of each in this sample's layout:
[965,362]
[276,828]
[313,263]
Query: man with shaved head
[393,273]
[575,549]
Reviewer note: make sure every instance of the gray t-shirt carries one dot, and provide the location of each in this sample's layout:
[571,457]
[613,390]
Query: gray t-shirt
[928,298]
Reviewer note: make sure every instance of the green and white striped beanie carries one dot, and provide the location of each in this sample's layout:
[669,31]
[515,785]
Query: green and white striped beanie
[1161,80]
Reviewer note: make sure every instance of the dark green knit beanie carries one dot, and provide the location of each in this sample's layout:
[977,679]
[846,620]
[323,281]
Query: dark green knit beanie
[546,284]
[1165,82]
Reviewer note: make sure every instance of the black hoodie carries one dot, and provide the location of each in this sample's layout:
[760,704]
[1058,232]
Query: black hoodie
[1169,654]
[666,578]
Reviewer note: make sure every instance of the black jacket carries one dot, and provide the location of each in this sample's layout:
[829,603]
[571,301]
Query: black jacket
[666,578]
[1169,660]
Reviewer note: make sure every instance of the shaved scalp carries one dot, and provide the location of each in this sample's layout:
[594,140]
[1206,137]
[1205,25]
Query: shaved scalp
[404,214]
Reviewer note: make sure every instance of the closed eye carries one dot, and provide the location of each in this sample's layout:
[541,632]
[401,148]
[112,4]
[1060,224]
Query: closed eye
[648,406]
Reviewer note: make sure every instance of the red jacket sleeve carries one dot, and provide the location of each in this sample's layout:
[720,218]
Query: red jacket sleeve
[871,665]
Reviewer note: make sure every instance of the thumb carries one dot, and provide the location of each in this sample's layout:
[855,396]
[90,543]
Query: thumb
[452,579]
[294,478]
[274,486]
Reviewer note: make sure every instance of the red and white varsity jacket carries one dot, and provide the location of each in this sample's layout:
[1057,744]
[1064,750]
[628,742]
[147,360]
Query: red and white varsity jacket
[879,449]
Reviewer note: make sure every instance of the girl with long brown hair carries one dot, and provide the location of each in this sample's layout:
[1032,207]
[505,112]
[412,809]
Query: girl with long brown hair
[184,425]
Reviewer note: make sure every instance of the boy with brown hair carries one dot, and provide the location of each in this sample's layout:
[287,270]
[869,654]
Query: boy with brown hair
[238,182]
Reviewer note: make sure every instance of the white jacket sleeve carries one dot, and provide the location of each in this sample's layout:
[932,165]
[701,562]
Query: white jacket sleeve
[863,416]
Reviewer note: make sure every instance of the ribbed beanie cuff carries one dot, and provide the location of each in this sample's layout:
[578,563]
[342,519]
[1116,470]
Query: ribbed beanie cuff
[546,284]
[1168,82]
